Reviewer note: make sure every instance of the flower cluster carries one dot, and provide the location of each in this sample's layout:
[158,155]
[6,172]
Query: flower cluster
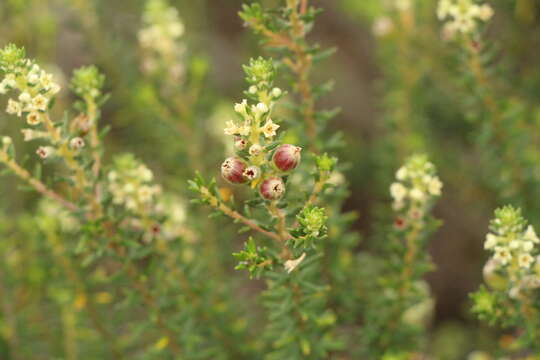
[35,86]
[416,186]
[159,39]
[462,16]
[130,184]
[259,159]
[511,241]
[87,81]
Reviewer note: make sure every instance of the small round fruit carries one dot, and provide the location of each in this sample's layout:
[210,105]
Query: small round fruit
[287,157]
[232,170]
[272,188]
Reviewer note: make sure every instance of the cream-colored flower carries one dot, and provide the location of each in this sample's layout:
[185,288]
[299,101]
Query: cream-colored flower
[33,118]
[40,102]
[491,241]
[45,151]
[244,130]
[530,235]
[255,149]
[14,107]
[486,12]
[241,107]
[402,173]
[231,128]
[398,191]
[417,194]
[434,186]
[502,254]
[525,260]
[290,265]
[25,97]
[269,129]
[76,143]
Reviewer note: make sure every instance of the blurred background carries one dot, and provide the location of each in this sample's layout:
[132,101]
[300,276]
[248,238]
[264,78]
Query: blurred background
[65,34]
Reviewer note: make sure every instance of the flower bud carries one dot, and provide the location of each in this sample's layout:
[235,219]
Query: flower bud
[272,188]
[240,144]
[44,151]
[286,157]
[76,143]
[252,172]
[255,149]
[232,170]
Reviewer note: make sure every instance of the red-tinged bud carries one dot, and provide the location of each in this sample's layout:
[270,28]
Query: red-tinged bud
[287,157]
[232,170]
[240,144]
[272,188]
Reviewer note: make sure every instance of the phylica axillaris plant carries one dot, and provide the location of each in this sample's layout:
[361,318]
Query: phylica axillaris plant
[160,40]
[512,275]
[462,16]
[260,160]
[414,191]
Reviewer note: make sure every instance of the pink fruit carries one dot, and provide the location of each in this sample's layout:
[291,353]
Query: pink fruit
[287,157]
[272,188]
[232,170]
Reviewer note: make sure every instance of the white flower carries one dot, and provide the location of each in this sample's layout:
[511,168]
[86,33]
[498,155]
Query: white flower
[44,151]
[514,244]
[129,188]
[269,129]
[290,265]
[444,8]
[14,107]
[9,81]
[25,97]
[145,193]
[244,130]
[402,173]
[260,109]
[502,255]
[241,107]
[33,118]
[255,149]
[40,102]
[527,246]
[33,78]
[485,13]
[525,260]
[434,187]
[530,235]
[491,241]
[29,134]
[398,191]
[230,128]
[276,92]
[6,140]
[76,143]
[144,173]
[417,194]
[252,89]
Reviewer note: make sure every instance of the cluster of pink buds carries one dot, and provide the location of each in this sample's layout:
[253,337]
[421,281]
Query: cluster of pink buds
[284,159]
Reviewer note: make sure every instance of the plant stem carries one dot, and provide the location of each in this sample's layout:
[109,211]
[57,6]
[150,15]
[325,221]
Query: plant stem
[35,183]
